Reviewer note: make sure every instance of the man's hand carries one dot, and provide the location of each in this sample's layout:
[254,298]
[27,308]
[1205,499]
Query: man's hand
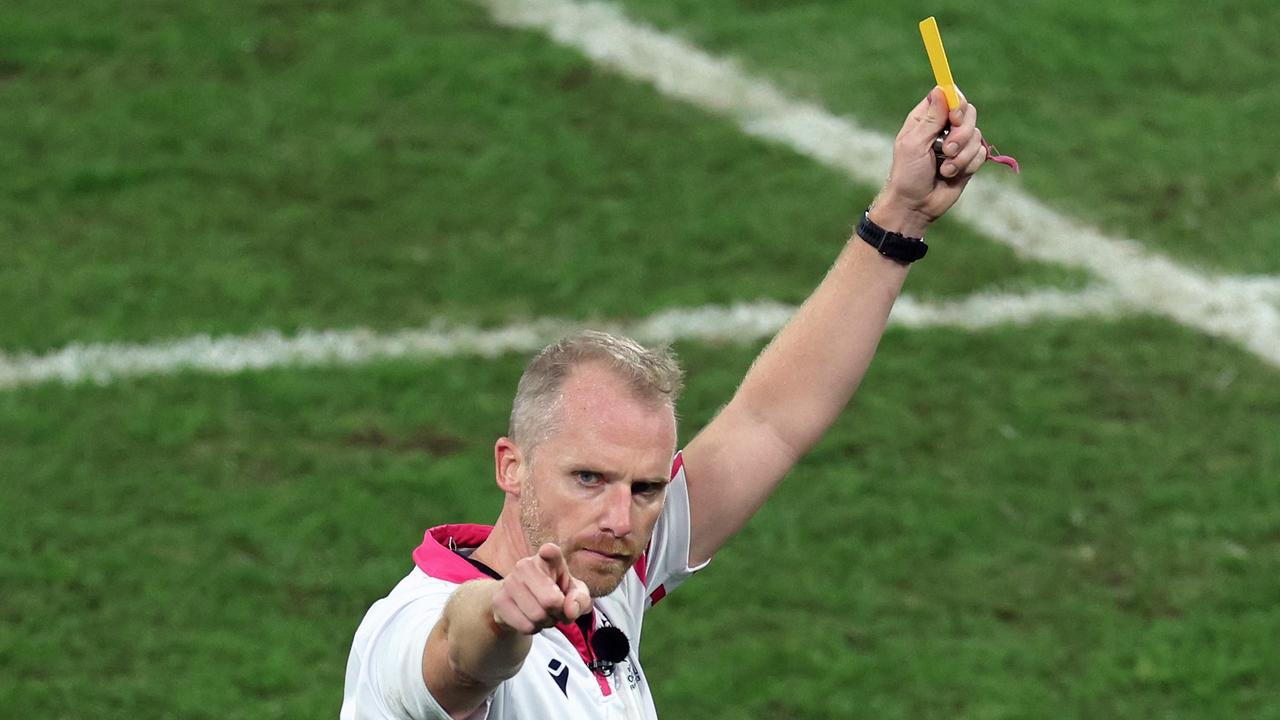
[540,592]
[918,191]
[487,626]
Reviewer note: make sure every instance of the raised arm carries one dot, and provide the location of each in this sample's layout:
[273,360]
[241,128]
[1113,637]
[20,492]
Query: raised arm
[805,377]
[487,628]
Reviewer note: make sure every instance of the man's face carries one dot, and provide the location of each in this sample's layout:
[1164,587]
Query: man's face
[596,486]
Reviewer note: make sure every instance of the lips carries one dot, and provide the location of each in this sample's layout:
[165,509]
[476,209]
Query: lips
[620,557]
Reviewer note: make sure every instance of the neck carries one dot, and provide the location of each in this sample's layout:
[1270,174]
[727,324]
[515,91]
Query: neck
[505,545]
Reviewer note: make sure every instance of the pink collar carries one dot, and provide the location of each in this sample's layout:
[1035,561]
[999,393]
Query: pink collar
[436,556]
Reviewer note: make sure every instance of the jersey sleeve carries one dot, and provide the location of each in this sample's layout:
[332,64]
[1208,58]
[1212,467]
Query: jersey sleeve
[390,686]
[667,559]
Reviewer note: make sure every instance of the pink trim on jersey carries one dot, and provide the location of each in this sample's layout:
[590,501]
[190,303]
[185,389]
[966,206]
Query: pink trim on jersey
[642,566]
[574,634]
[434,557]
[677,465]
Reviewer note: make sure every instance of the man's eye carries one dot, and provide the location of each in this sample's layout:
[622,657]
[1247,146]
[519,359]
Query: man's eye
[648,489]
[586,477]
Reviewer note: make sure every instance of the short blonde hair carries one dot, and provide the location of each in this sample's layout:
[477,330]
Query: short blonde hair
[651,374]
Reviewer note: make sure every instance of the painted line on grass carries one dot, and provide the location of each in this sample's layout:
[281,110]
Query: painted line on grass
[1265,288]
[1214,304]
[739,323]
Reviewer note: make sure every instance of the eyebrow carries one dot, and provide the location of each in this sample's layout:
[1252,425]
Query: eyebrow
[587,467]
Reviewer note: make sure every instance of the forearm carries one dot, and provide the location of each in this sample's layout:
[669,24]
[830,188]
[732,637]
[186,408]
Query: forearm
[468,654]
[805,377]
[794,390]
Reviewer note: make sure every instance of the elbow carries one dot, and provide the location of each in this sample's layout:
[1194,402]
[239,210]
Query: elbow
[786,441]
[482,668]
[468,679]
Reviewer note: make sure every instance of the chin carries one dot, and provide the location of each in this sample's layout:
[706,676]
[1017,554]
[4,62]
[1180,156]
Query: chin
[600,583]
[600,589]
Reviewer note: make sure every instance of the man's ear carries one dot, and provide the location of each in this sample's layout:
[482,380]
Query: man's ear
[508,465]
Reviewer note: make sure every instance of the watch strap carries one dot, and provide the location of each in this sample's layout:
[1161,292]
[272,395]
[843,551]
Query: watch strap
[892,245]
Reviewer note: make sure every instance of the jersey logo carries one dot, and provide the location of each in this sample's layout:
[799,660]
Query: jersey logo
[560,673]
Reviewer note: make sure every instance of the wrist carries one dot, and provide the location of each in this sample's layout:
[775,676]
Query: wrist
[894,215]
[900,248]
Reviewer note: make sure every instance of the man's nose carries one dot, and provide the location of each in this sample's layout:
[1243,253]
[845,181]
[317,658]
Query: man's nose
[617,510]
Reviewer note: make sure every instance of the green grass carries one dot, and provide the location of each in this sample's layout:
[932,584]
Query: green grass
[1057,530]
[287,166]
[1068,519]
[1150,120]
[1057,534]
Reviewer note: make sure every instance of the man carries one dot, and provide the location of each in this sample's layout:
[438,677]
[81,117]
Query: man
[540,616]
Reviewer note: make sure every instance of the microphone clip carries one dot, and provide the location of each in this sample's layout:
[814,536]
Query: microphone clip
[603,668]
[609,646]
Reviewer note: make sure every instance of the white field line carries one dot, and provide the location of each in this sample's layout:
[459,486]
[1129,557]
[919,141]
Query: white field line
[741,323]
[1264,288]
[1214,304]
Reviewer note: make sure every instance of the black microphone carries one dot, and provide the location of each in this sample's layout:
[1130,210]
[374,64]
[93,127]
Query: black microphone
[610,647]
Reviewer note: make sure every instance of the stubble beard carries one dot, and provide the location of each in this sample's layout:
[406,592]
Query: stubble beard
[537,531]
[535,527]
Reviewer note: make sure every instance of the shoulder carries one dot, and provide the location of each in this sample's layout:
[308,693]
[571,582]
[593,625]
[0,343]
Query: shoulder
[417,594]
[384,669]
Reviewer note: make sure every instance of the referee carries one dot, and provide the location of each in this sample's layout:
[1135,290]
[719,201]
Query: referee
[540,615]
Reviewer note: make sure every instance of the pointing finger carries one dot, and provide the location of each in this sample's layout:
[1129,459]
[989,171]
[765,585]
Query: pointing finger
[552,559]
[550,552]
[577,600]
[556,565]
[549,595]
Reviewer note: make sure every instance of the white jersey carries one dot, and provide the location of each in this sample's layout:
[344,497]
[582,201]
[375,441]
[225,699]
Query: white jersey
[384,672]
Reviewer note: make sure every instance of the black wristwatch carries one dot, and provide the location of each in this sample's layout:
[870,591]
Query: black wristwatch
[892,245]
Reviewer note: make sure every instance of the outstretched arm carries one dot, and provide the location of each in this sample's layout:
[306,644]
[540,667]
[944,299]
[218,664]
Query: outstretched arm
[805,377]
[487,628]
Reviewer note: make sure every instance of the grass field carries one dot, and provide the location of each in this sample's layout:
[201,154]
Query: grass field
[1069,518]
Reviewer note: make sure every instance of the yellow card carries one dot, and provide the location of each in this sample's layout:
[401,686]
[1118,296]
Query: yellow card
[938,59]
